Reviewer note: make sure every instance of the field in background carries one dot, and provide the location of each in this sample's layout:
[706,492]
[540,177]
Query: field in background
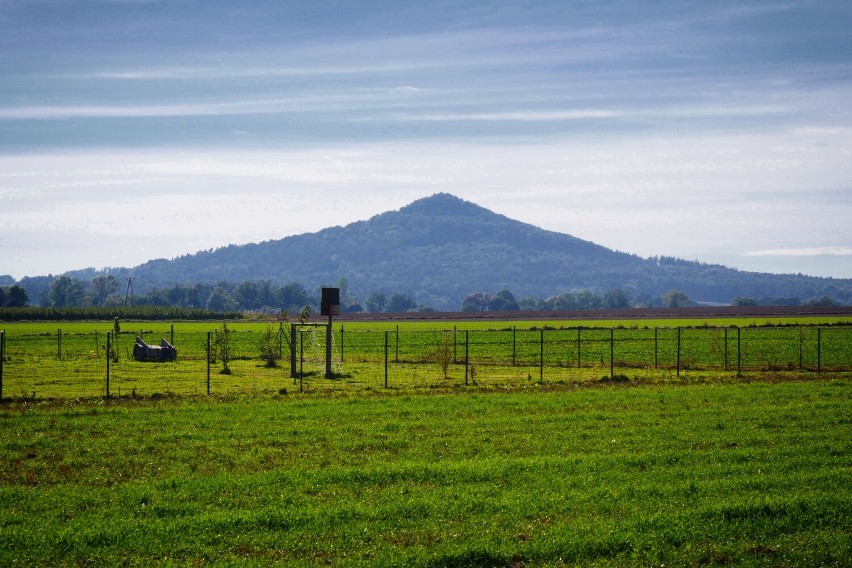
[751,474]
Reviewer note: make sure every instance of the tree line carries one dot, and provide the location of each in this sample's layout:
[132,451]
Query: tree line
[613,299]
[262,296]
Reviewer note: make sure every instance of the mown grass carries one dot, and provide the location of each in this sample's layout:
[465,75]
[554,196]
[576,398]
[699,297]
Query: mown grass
[740,474]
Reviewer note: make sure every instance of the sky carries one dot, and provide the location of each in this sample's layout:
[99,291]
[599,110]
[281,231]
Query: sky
[140,129]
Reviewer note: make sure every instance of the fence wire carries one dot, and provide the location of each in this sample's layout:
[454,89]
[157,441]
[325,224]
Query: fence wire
[75,365]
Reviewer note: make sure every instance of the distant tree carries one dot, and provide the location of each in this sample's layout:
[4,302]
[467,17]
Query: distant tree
[503,301]
[739,301]
[221,300]
[476,302]
[821,301]
[615,299]
[644,300]
[376,302]
[38,288]
[66,292]
[265,296]
[564,301]
[13,297]
[588,300]
[676,299]
[401,303]
[102,287]
[292,297]
[247,295]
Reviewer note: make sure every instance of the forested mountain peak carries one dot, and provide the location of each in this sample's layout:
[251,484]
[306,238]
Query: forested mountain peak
[441,248]
[444,204]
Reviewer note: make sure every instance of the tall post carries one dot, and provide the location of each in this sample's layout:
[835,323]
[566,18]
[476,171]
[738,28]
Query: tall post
[2,359]
[109,340]
[172,335]
[578,347]
[739,353]
[396,345]
[301,357]
[293,369]
[656,361]
[678,352]
[611,354]
[541,356]
[800,348]
[466,352]
[514,345]
[341,343]
[726,348]
[208,363]
[328,333]
[819,350]
[386,358]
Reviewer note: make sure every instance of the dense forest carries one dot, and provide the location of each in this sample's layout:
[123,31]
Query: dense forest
[432,254]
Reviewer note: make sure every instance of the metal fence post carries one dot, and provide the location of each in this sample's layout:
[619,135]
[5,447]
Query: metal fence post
[578,347]
[341,343]
[109,343]
[678,352]
[800,348]
[541,356]
[819,350]
[466,352]
[611,353]
[208,363]
[293,369]
[2,359]
[386,359]
[739,353]
[656,362]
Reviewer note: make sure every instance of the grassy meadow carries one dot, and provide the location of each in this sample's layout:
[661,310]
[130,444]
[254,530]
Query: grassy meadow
[755,474]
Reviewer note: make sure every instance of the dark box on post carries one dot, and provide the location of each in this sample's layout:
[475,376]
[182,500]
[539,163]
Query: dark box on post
[330,302]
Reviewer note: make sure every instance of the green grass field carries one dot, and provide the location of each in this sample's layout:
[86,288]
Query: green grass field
[753,474]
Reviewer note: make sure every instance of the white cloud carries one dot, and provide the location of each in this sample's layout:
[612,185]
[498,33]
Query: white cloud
[694,196]
[808,251]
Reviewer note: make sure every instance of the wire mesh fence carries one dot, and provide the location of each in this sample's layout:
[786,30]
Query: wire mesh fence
[298,358]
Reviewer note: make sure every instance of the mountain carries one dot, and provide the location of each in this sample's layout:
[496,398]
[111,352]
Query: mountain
[441,248]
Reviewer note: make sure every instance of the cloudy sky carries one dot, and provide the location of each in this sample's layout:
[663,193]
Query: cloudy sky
[138,129]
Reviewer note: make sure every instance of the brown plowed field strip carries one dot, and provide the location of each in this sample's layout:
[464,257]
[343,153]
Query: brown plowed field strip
[696,312]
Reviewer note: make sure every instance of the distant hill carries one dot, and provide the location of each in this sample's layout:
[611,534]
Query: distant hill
[440,248]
